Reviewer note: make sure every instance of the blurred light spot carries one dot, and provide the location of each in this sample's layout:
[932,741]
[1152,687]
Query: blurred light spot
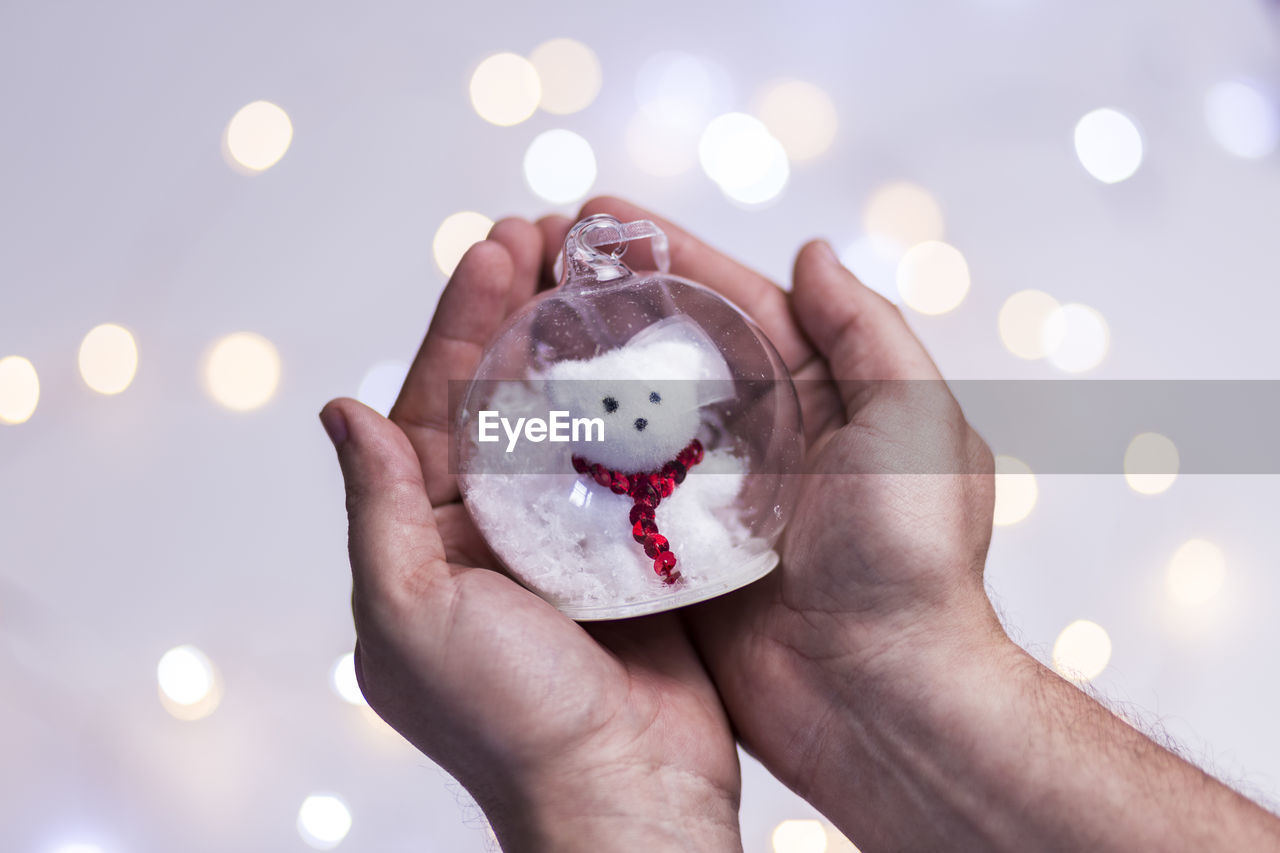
[1196,572]
[1076,338]
[569,73]
[323,821]
[1082,651]
[242,371]
[505,89]
[933,277]
[190,688]
[378,724]
[559,166]
[257,136]
[1150,463]
[77,847]
[345,681]
[680,89]
[381,385]
[837,842]
[799,836]
[459,232]
[874,260]
[1109,145]
[904,213]
[1023,322]
[1016,491]
[799,115]
[738,153]
[108,358]
[19,389]
[663,149]
[1242,119]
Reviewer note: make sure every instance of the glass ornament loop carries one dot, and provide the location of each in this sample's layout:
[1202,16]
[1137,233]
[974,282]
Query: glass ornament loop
[583,260]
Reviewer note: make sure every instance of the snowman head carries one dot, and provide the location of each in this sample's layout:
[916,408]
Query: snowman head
[649,393]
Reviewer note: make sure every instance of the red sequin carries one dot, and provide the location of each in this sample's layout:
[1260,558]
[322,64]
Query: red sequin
[640,511]
[664,563]
[621,484]
[656,544]
[643,529]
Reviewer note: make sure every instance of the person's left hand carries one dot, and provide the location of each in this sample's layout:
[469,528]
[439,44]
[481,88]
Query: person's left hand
[600,738]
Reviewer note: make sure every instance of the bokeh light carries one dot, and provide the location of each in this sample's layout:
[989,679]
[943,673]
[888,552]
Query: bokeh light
[933,277]
[1243,120]
[560,166]
[344,680]
[1016,491]
[108,358]
[457,233]
[19,390]
[1196,573]
[800,115]
[680,89]
[242,371]
[257,136]
[1024,321]
[1082,651]
[903,213]
[505,89]
[190,687]
[323,821]
[661,148]
[381,385]
[1150,463]
[569,73]
[738,153]
[874,260]
[78,847]
[799,836]
[1109,145]
[1077,338]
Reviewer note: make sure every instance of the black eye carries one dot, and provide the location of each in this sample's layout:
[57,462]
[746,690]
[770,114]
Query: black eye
[610,405]
[654,397]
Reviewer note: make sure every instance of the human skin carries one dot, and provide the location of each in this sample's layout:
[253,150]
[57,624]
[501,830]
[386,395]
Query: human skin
[869,672]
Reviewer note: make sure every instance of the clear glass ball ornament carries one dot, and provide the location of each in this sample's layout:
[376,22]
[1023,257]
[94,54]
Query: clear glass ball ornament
[628,442]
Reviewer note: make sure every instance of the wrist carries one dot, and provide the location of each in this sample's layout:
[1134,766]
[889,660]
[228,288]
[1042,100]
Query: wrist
[926,720]
[879,671]
[622,807]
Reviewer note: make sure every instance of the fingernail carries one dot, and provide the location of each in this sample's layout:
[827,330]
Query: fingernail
[335,425]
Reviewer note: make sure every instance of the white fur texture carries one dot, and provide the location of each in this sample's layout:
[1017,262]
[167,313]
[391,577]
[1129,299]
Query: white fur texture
[648,393]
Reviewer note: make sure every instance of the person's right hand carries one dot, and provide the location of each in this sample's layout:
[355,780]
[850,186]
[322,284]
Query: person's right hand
[881,567]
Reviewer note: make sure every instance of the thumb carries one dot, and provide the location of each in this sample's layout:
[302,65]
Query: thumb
[862,335]
[396,552]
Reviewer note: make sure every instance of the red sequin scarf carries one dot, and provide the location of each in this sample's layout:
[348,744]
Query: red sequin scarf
[647,489]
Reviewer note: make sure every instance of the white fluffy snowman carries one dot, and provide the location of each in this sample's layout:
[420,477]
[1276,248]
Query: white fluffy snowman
[624,520]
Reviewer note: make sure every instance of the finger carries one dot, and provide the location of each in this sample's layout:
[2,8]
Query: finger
[471,309]
[523,242]
[861,334]
[395,549]
[554,229]
[763,300]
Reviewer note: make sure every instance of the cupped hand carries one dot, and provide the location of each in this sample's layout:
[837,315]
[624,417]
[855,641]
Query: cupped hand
[882,559]
[569,738]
